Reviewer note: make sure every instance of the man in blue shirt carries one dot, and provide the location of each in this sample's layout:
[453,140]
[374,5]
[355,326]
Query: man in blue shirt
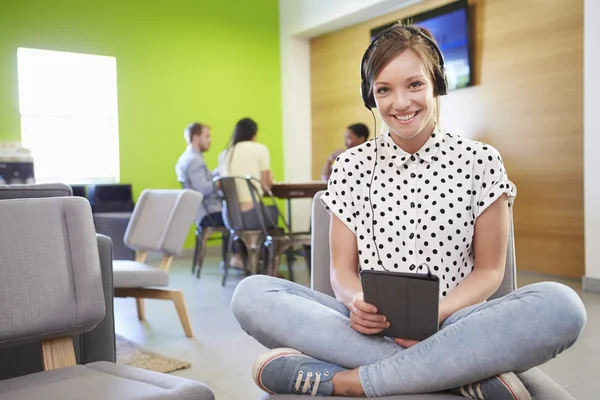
[193,173]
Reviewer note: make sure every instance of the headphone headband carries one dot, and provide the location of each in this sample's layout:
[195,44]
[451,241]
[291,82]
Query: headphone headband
[440,80]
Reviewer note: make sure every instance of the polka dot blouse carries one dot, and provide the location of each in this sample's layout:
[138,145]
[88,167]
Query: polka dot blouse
[421,208]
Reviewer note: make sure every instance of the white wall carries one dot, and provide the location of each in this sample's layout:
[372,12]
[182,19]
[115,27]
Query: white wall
[295,97]
[299,20]
[591,136]
[311,18]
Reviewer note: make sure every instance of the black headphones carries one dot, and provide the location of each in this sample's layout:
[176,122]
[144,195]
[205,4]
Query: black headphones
[441,83]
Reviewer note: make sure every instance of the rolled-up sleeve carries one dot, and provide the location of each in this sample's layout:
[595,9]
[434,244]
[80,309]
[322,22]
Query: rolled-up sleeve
[338,197]
[493,178]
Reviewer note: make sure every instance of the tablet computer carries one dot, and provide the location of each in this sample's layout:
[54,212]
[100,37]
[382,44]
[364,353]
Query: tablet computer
[409,301]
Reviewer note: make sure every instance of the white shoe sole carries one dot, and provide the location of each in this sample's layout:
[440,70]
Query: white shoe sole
[511,382]
[515,385]
[267,357]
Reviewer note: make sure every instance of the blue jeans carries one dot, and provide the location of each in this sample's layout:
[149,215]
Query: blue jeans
[514,333]
[212,219]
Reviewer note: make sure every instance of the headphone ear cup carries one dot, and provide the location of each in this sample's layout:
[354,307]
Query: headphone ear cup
[372,103]
[367,97]
[441,82]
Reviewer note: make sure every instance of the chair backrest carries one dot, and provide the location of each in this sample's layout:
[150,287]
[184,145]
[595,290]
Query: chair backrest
[509,282]
[51,283]
[266,220]
[226,187]
[162,219]
[203,205]
[320,278]
[36,190]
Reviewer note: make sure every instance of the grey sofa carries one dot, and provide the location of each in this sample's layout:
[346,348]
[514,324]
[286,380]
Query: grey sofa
[539,385]
[52,296]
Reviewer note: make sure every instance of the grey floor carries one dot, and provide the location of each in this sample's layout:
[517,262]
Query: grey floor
[221,354]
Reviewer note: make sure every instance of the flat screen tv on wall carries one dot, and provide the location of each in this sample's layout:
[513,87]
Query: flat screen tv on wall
[450,25]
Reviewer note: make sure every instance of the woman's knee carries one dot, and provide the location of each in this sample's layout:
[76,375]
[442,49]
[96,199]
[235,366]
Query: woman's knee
[247,292]
[249,298]
[566,310]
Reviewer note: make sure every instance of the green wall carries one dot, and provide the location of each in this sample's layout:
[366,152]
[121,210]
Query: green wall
[177,61]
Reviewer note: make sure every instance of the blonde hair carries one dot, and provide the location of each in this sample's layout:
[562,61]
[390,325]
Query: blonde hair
[398,39]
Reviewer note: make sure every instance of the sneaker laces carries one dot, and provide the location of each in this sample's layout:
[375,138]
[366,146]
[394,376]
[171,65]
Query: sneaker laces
[471,393]
[308,383]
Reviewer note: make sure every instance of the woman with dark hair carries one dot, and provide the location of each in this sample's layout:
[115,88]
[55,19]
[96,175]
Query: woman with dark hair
[245,156]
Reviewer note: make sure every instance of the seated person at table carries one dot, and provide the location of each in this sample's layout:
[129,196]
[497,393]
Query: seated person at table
[355,134]
[193,173]
[245,156]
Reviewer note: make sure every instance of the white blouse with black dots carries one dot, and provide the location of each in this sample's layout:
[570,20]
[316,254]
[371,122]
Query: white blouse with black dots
[422,207]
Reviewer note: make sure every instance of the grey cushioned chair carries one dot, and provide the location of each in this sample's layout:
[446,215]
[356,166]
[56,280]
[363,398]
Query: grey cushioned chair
[51,289]
[160,222]
[539,385]
[37,190]
[97,344]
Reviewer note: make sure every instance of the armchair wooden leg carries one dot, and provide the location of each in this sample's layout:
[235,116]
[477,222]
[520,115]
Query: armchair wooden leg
[179,302]
[139,302]
[58,353]
[141,257]
[176,296]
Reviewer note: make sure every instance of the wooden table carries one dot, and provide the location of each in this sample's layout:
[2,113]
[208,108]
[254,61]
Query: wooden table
[301,190]
[290,191]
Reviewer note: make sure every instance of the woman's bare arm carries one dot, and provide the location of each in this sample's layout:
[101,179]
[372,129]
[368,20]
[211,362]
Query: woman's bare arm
[489,244]
[346,282]
[344,261]
[266,178]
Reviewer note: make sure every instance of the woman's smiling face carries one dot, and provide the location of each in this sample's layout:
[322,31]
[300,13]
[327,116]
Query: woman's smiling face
[404,96]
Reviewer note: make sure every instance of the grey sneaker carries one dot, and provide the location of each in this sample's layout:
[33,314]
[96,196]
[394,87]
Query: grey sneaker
[506,386]
[288,371]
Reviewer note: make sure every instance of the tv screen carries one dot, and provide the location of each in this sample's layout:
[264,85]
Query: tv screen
[450,27]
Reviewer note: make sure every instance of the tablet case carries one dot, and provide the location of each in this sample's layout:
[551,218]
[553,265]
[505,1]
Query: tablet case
[408,300]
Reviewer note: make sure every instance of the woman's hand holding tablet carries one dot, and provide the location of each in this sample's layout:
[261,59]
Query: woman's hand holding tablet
[409,302]
[364,317]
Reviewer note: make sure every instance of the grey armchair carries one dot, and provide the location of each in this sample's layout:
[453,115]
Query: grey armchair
[539,385]
[160,222]
[97,344]
[52,289]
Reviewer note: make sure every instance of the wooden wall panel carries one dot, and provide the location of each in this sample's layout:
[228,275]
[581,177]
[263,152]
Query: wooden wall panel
[527,102]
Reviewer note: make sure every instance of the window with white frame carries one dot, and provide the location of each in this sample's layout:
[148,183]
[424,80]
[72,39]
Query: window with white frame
[69,119]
